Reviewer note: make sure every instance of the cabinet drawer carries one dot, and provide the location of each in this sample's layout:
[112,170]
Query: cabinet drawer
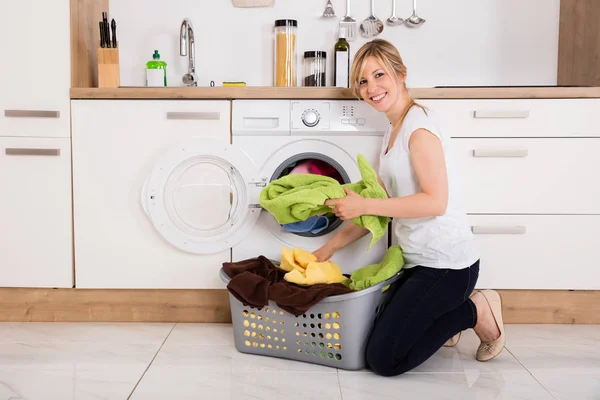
[519,117]
[538,251]
[171,118]
[35,210]
[529,176]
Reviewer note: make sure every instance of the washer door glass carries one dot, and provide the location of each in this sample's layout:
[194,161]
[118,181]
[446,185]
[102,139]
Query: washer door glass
[199,196]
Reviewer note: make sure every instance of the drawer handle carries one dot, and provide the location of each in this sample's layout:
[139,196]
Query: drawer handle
[31,152]
[31,114]
[501,114]
[198,116]
[498,230]
[500,152]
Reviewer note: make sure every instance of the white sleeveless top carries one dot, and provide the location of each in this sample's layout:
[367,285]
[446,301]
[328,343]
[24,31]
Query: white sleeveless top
[440,241]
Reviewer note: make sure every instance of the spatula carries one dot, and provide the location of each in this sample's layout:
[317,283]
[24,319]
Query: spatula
[349,24]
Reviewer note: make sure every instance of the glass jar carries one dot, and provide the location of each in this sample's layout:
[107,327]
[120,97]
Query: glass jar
[315,63]
[285,52]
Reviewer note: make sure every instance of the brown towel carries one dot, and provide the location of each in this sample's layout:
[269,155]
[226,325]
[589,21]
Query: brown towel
[256,281]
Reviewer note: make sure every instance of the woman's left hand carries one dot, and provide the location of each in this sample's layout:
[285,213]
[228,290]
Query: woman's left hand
[349,207]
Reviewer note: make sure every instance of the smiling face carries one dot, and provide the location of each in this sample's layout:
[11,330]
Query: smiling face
[378,87]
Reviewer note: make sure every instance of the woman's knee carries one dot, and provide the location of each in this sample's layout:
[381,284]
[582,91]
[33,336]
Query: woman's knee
[381,359]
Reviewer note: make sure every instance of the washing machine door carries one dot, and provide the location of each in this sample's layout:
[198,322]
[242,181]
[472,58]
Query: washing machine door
[203,195]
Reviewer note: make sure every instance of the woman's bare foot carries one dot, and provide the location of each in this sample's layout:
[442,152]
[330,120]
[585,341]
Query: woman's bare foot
[486,327]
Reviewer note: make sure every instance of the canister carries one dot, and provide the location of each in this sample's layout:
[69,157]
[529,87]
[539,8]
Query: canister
[315,63]
[285,52]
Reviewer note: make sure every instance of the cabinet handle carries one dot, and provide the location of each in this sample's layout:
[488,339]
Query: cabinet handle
[31,152]
[498,230]
[203,116]
[501,113]
[500,152]
[31,114]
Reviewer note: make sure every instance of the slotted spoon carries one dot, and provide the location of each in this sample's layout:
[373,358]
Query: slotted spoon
[372,26]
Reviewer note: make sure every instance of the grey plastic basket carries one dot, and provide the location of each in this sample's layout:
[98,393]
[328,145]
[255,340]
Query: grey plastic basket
[333,332]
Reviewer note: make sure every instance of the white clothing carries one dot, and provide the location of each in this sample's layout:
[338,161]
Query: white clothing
[441,241]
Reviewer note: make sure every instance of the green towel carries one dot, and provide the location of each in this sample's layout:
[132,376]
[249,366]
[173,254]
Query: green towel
[297,197]
[371,275]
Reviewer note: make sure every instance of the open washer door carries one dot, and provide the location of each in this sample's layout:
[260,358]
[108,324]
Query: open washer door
[202,195]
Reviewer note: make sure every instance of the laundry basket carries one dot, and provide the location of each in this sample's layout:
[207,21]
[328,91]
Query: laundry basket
[333,332]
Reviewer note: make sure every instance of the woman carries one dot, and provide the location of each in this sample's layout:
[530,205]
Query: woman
[432,304]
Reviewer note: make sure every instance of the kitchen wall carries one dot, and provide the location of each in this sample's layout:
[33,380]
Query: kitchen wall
[463,42]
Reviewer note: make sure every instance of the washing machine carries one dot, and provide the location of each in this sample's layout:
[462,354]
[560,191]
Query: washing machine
[278,135]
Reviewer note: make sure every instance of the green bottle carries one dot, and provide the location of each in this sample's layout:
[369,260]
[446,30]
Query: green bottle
[156,71]
[341,70]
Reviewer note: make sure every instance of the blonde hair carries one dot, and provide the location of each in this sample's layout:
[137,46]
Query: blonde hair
[388,56]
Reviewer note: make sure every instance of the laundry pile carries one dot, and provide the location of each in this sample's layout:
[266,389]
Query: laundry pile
[317,223]
[297,197]
[256,281]
[300,281]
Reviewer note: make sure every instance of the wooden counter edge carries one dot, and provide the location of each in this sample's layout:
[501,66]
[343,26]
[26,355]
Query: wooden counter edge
[328,93]
[212,305]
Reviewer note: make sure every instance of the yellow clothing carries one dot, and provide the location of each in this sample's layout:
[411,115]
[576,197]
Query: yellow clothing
[303,268]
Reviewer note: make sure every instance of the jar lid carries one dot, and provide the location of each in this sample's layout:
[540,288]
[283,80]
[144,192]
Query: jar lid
[286,22]
[313,54]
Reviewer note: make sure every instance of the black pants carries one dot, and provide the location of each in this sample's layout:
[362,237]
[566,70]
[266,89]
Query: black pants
[430,306]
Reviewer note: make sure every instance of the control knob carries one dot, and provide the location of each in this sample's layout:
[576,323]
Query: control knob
[310,118]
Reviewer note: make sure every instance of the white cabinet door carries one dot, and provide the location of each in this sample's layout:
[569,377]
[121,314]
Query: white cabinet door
[538,251]
[529,176]
[116,146]
[35,212]
[35,72]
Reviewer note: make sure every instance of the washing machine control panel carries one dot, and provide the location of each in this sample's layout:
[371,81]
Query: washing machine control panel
[336,117]
[311,117]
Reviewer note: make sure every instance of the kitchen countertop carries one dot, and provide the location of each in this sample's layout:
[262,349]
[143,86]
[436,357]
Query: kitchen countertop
[248,92]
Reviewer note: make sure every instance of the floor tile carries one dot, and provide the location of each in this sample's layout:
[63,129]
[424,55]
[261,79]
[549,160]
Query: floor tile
[239,384]
[573,360]
[552,335]
[115,383]
[472,385]
[202,334]
[67,332]
[75,356]
[570,387]
[194,359]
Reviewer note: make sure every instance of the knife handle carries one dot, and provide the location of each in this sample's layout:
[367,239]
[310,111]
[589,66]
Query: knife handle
[113,26]
[102,43]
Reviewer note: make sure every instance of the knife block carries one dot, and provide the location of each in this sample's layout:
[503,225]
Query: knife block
[108,68]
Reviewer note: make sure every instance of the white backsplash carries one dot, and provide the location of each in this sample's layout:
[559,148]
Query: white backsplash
[463,42]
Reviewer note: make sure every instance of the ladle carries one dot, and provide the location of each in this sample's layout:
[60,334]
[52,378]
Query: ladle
[393,20]
[414,20]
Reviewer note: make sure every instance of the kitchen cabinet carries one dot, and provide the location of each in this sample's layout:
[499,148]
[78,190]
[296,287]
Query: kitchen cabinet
[35,73]
[527,175]
[36,248]
[35,210]
[117,145]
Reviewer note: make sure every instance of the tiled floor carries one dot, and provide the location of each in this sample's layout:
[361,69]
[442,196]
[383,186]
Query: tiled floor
[198,361]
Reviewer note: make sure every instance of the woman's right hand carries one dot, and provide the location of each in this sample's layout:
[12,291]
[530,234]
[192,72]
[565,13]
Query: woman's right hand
[324,253]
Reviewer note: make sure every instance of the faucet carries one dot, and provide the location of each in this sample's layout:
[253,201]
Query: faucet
[186,47]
